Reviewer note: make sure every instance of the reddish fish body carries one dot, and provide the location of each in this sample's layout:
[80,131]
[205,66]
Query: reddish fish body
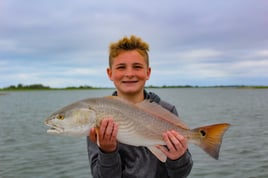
[139,124]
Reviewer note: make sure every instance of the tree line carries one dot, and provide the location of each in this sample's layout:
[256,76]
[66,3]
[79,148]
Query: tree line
[42,87]
[29,87]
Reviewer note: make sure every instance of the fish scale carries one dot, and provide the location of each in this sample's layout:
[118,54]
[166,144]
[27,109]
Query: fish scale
[130,128]
[145,129]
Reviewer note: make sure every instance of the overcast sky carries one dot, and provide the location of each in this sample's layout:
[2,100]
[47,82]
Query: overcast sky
[65,42]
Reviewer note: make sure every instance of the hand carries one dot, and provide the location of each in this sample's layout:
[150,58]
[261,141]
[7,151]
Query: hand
[105,135]
[176,145]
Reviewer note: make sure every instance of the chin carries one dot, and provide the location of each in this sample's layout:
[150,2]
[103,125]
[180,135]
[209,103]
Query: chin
[132,90]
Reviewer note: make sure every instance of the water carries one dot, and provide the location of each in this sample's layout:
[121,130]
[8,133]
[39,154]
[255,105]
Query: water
[27,151]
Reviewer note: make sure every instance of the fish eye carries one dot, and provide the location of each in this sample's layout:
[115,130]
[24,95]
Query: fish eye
[60,116]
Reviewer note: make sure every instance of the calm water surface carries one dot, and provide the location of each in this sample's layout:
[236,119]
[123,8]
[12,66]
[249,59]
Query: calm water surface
[26,150]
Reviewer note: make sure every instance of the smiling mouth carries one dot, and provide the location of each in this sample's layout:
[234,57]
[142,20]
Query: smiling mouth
[130,82]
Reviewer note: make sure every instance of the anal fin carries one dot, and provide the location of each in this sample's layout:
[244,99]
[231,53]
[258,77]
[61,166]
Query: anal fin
[158,153]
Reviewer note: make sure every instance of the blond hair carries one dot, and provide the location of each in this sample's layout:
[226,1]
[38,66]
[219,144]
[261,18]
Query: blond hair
[127,44]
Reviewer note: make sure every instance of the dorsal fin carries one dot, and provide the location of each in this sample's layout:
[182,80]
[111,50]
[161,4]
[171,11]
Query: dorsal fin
[160,112]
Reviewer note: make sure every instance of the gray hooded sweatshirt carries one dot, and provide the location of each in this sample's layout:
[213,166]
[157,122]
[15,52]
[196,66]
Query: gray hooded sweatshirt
[137,162]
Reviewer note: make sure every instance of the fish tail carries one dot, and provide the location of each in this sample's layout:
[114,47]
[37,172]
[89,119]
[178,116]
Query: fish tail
[210,138]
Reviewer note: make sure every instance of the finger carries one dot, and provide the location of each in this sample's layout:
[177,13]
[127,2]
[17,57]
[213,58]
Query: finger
[109,130]
[181,141]
[115,131]
[180,145]
[103,126]
[93,135]
[168,141]
[173,140]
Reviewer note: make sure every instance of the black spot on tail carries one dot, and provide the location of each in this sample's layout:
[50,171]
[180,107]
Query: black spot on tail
[203,133]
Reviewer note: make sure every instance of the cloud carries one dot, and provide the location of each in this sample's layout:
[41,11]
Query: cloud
[65,43]
[262,53]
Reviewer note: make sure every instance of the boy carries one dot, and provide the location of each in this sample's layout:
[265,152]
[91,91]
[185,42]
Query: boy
[129,70]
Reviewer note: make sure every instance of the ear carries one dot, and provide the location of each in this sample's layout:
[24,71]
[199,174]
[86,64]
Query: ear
[109,73]
[148,73]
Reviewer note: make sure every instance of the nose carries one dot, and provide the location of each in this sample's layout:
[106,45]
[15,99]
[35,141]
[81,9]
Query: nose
[129,72]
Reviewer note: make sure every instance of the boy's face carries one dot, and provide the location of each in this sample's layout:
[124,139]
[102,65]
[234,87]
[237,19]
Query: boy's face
[129,72]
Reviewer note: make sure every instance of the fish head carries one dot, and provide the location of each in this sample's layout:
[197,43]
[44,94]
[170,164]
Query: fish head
[74,121]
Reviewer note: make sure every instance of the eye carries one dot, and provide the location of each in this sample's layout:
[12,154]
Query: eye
[121,67]
[60,116]
[138,66]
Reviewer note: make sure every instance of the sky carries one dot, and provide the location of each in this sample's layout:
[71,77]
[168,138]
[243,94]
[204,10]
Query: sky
[65,43]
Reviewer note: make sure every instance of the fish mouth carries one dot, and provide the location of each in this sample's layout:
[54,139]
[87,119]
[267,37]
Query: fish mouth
[54,129]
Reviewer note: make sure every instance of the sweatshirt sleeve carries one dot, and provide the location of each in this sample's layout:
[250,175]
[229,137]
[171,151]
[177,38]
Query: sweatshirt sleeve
[103,164]
[181,166]
[184,164]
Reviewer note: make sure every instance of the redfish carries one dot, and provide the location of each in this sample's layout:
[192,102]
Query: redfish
[140,124]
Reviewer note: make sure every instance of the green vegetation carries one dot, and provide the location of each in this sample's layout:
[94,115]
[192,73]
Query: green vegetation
[85,87]
[42,87]
[253,87]
[215,86]
[27,87]
[173,86]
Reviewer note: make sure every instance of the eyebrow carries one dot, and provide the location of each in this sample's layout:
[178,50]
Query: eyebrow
[133,64]
[137,63]
[120,64]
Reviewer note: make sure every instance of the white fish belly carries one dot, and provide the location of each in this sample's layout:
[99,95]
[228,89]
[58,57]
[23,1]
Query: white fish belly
[137,139]
[140,130]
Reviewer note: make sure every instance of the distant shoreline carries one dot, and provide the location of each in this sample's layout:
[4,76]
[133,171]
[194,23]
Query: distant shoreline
[21,87]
